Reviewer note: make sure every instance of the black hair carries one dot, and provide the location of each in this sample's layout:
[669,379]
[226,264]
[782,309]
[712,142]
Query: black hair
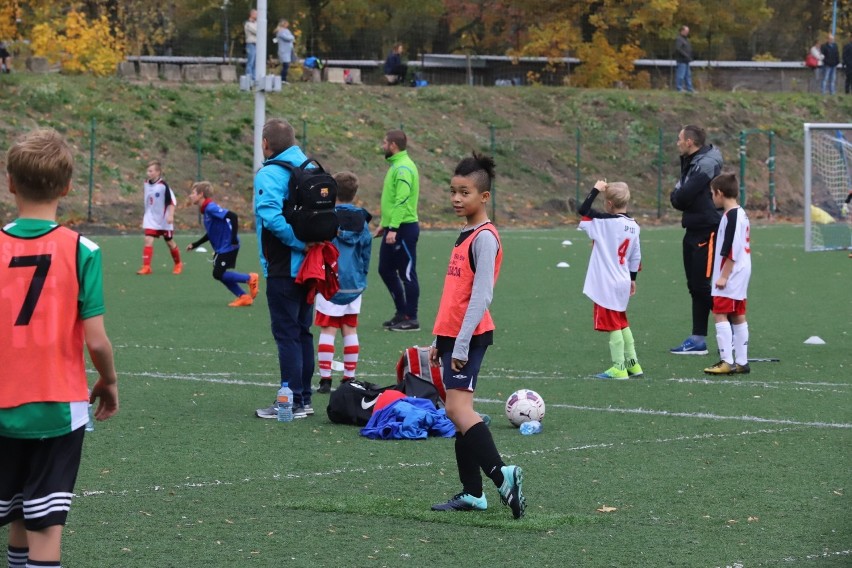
[480,167]
[696,134]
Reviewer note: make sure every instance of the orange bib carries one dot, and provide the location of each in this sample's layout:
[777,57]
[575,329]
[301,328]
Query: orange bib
[41,333]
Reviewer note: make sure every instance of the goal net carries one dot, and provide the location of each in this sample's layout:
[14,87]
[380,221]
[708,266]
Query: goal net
[828,181]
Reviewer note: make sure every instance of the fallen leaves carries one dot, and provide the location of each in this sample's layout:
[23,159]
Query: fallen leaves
[606,509]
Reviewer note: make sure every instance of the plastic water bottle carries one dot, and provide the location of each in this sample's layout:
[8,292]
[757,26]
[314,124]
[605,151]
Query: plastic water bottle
[90,425]
[285,404]
[531,427]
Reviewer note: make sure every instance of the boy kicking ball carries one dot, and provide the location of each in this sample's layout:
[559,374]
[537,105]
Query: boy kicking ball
[731,273]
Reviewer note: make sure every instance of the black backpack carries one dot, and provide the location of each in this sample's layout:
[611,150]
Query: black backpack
[353,401]
[310,208]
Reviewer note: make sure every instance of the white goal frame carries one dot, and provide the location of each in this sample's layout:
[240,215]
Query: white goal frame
[808,151]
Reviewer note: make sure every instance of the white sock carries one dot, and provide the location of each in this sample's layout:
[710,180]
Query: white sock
[724,338]
[350,355]
[741,342]
[325,354]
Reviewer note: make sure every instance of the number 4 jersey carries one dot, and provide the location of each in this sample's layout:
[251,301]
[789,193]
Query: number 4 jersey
[615,254]
[50,281]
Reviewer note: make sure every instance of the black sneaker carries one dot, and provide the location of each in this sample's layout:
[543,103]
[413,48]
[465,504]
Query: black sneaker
[463,502]
[742,369]
[394,320]
[406,325]
[324,386]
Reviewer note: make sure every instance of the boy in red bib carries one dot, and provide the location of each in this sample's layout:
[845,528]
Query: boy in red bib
[464,330]
[51,303]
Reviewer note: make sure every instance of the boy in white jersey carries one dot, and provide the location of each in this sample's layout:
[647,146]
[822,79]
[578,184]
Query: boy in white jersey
[731,273]
[159,218]
[611,277]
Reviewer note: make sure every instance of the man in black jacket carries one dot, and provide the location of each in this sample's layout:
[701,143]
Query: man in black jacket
[830,61]
[699,163]
[683,56]
[847,64]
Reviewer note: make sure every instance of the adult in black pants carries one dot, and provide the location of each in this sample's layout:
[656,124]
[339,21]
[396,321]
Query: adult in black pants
[699,163]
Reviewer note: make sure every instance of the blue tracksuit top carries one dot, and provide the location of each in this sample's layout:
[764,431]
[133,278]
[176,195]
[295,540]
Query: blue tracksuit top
[278,247]
[355,243]
[218,228]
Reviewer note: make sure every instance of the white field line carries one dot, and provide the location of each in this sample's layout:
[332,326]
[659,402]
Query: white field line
[370,469]
[786,385]
[698,415]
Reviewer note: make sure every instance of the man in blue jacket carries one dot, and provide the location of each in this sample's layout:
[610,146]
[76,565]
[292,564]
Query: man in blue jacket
[699,163]
[281,257]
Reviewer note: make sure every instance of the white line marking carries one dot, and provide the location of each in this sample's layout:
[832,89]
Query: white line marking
[360,471]
[699,415]
[786,385]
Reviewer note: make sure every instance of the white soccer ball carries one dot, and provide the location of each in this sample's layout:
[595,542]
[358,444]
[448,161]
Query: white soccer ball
[524,405]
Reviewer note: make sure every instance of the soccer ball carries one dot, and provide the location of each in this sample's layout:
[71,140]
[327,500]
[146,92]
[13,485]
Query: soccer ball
[524,405]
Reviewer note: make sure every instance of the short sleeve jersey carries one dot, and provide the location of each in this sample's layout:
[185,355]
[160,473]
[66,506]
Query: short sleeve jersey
[158,197]
[615,254]
[32,307]
[733,244]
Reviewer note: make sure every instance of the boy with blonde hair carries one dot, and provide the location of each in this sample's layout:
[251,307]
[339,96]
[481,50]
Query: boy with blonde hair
[51,293]
[731,273]
[611,278]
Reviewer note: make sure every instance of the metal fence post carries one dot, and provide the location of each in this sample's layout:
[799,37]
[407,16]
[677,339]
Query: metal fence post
[577,172]
[91,169]
[771,164]
[491,129]
[198,150]
[660,174]
[304,135]
[743,137]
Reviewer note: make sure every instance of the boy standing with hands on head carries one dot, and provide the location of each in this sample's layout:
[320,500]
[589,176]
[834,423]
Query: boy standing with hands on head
[354,241]
[611,278]
[51,304]
[463,331]
[731,273]
[222,226]
[159,218]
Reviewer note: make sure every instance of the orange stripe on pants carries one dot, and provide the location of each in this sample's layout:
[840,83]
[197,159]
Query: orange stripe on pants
[711,250]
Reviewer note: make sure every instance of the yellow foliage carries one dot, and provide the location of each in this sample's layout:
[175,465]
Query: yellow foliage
[81,46]
[605,67]
[8,19]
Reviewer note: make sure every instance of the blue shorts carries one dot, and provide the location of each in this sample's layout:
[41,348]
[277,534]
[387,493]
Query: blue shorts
[465,379]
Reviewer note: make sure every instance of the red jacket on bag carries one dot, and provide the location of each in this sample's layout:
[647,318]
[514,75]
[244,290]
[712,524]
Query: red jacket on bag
[319,271]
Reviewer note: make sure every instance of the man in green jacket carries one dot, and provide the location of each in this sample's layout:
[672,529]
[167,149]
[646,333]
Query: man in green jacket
[400,230]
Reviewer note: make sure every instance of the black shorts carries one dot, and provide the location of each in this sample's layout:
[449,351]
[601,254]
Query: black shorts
[223,261]
[37,479]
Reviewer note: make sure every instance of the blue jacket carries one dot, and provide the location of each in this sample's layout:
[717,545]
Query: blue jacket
[281,253]
[409,419]
[355,243]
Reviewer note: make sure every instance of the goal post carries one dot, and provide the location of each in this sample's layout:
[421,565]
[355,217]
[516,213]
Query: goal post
[827,181]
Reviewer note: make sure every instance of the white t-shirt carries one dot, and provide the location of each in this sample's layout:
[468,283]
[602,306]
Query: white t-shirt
[158,197]
[329,308]
[615,254]
[733,243]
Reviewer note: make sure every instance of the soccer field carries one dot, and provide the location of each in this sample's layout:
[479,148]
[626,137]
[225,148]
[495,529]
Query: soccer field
[751,470]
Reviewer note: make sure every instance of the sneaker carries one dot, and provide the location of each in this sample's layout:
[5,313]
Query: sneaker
[253,284]
[613,373]
[299,412]
[742,369]
[309,409]
[511,493]
[144,271]
[721,368]
[242,301]
[635,371]
[463,502]
[393,321]
[270,412]
[324,386]
[406,325]
[178,268]
[485,419]
[689,347]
